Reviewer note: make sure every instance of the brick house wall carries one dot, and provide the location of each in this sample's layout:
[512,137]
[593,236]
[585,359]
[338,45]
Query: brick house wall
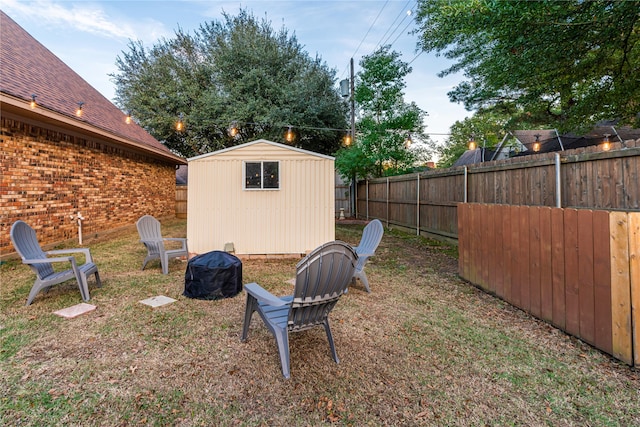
[47,175]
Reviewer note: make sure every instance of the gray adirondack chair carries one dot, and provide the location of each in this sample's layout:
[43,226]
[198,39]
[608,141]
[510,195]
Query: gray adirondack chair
[321,278]
[26,243]
[371,236]
[151,237]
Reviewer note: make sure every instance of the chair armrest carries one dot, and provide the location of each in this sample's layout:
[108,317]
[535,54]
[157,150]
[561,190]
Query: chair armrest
[183,240]
[151,240]
[84,251]
[264,296]
[366,255]
[48,260]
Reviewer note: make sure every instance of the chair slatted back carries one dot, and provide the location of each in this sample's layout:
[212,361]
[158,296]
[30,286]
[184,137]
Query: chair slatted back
[321,279]
[26,243]
[371,237]
[150,233]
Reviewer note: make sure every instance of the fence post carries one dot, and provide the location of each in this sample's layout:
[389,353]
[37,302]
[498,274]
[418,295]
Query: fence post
[387,202]
[355,208]
[367,188]
[418,205]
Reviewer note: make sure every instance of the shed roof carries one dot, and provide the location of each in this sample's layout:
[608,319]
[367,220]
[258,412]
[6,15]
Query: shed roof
[262,141]
[27,68]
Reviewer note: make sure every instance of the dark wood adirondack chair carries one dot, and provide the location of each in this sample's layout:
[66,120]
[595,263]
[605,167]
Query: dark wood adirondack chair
[151,237]
[26,243]
[371,236]
[321,279]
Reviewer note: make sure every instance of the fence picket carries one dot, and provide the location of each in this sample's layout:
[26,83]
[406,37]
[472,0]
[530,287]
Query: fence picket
[585,275]
[588,179]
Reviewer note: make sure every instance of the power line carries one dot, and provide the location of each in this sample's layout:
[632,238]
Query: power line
[365,36]
[372,24]
[391,25]
[415,57]
[404,29]
[402,12]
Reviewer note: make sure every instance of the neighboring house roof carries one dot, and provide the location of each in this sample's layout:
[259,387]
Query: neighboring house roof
[477,155]
[262,141]
[550,141]
[182,175]
[548,138]
[27,67]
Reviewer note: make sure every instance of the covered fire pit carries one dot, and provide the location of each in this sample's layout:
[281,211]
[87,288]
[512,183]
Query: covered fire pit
[213,275]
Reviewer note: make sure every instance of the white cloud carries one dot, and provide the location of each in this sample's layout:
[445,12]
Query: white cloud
[84,17]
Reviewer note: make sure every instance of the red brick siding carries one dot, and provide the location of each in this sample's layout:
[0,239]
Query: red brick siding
[46,176]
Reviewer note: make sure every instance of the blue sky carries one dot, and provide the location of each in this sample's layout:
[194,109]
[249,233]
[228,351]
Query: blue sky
[89,35]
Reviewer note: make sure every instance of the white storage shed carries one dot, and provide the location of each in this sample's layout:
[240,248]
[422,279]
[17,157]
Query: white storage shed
[263,197]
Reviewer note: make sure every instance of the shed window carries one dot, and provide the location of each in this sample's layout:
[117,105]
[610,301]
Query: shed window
[262,175]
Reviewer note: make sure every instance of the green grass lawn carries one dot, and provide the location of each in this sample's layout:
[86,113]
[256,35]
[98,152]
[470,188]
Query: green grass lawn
[424,348]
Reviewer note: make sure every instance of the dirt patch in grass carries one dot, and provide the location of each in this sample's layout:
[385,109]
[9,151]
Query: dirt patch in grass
[424,348]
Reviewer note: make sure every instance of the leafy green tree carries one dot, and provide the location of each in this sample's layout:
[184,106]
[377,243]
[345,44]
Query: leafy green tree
[565,64]
[385,121]
[236,71]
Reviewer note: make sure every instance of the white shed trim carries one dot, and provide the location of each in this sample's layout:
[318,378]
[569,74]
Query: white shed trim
[262,141]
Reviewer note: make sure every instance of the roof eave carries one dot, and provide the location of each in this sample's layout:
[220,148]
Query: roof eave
[10,104]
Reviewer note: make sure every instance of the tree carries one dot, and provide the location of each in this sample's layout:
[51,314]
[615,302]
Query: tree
[565,64]
[385,121]
[237,71]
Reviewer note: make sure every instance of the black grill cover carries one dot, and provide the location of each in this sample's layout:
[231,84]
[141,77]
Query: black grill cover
[213,275]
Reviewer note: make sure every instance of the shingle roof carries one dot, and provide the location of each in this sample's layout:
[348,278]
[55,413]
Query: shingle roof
[550,141]
[27,67]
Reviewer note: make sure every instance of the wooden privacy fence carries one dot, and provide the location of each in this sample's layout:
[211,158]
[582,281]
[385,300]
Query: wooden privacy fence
[181,201]
[578,269]
[581,178]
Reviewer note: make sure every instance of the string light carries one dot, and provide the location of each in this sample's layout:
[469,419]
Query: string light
[233,129]
[79,109]
[346,141]
[33,101]
[536,144]
[408,141]
[606,145]
[180,123]
[127,119]
[472,143]
[289,136]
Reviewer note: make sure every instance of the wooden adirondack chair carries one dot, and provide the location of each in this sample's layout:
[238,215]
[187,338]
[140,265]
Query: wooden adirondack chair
[26,243]
[321,279]
[371,236]
[151,237]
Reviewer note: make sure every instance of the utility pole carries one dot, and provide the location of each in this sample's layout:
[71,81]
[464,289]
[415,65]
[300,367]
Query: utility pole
[347,89]
[354,184]
[353,105]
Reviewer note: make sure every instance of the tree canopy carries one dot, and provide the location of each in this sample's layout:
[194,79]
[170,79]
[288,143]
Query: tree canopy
[236,72]
[566,64]
[385,122]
